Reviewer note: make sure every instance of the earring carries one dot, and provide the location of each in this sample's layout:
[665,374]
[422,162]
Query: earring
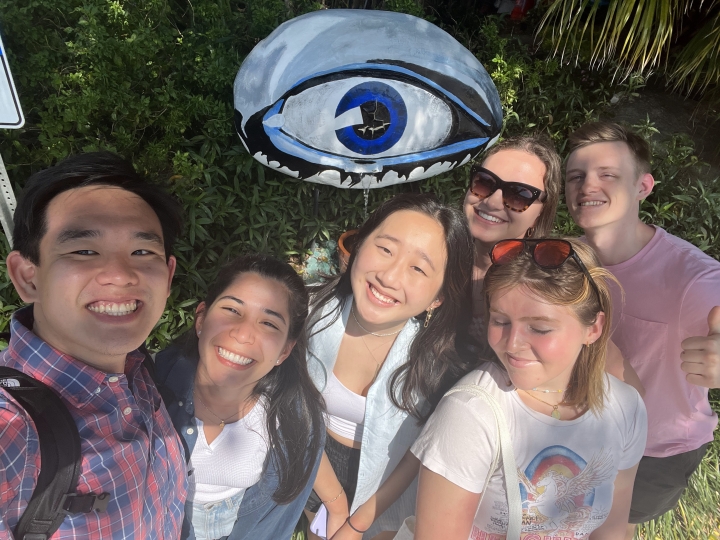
[199,332]
[530,232]
[277,363]
[427,317]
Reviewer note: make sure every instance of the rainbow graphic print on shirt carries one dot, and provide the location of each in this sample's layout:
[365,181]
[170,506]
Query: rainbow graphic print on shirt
[558,492]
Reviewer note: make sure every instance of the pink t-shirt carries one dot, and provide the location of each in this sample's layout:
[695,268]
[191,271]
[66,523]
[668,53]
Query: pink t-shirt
[670,287]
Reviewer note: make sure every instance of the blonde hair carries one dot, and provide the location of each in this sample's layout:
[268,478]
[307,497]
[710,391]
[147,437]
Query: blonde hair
[542,148]
[567,286]
[597,132]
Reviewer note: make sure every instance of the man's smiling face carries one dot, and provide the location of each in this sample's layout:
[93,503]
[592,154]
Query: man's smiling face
[103,277]
[603,185]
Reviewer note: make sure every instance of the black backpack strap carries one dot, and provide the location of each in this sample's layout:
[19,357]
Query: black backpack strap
[60,459]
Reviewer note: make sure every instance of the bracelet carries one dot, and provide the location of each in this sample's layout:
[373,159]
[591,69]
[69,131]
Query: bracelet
[353,528]
[342,490]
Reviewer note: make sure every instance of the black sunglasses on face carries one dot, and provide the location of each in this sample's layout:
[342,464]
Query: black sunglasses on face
[516,196]
[547,253]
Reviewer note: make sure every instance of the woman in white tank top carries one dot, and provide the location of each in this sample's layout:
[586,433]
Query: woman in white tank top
[382,350]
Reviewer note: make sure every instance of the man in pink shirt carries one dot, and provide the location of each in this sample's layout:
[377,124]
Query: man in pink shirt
[666,326]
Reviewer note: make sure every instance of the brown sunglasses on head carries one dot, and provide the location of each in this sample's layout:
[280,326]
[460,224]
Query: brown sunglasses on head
[516,196]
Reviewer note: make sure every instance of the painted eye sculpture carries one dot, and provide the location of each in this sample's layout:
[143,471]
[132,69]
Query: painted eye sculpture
[357,98]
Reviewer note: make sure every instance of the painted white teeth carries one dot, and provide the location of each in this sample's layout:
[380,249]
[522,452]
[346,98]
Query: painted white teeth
[381,297]
[489,217]
[234,358]
[114,309]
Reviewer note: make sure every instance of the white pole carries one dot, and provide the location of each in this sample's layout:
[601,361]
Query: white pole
[7,203]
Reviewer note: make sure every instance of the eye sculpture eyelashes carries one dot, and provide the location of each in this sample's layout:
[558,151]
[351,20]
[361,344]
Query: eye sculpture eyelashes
[358,98]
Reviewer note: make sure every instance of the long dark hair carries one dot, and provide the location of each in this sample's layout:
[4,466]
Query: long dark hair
[433,363]
[294,406]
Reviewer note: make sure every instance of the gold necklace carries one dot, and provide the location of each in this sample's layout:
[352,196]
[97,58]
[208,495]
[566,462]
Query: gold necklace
[555,412]
[222,421]
[547,391]
[372,355]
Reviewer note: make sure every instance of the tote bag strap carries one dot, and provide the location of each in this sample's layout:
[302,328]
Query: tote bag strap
[512,487]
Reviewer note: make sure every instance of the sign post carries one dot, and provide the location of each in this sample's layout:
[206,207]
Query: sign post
[11,117]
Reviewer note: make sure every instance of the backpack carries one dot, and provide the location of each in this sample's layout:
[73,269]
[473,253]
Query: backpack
[54,495]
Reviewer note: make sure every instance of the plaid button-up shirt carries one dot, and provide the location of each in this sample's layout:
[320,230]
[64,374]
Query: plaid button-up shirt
[129,446]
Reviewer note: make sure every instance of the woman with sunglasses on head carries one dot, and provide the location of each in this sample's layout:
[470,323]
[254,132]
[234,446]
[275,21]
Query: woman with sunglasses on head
[240,396]
[383,351]
[514,193]
[577,433]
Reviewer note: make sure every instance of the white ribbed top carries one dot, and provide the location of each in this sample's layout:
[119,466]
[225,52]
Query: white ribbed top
[345,410]
[233,462]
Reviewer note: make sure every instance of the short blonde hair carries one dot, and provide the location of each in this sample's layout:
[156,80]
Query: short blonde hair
[567,286]
[596,132]
[542,148]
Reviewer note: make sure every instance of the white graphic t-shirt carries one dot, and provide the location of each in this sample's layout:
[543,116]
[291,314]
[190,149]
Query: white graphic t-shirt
[566,468]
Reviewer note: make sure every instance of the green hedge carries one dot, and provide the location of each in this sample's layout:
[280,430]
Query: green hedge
[152,80]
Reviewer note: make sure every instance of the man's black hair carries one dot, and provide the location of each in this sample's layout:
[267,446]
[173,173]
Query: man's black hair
[89,169]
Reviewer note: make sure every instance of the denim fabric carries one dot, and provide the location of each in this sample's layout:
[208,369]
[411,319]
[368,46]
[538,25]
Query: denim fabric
[211,521]
[388,432]
[258,517]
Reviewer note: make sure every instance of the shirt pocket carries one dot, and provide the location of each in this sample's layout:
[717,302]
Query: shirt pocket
[643,343]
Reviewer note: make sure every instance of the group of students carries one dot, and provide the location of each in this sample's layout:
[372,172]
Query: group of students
[280,401]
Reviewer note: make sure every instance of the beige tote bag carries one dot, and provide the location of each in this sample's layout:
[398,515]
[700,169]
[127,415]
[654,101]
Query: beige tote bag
[512,488]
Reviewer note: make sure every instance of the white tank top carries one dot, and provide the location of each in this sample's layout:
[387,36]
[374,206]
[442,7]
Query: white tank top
[345,410]
[217,472]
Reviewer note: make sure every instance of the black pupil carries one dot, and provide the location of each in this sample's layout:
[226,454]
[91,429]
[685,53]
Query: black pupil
[376,120]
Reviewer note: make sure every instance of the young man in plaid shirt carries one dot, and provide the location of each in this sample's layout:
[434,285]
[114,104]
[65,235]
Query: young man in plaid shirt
[92,244]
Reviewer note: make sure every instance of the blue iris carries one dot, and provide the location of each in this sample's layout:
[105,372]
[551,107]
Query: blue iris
[384,118]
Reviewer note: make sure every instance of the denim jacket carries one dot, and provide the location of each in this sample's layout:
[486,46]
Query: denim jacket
[259,517]
[388,432]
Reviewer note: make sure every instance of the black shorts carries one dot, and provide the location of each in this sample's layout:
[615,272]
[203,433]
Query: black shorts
[660,483]
[345,462]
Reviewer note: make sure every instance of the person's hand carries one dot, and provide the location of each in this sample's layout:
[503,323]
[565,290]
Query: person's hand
[345,533]
[335,522]
[701,355]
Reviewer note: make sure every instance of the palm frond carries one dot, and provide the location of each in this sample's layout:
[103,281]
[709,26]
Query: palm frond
[634,33]
[697,66]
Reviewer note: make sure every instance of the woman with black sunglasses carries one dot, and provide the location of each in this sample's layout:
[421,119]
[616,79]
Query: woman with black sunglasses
[577,434]
[513,193]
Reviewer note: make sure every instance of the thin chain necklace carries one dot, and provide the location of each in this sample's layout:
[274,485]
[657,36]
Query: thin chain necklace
[372,355]
[547,391]
[352,310]
[555,412]
[223,421]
